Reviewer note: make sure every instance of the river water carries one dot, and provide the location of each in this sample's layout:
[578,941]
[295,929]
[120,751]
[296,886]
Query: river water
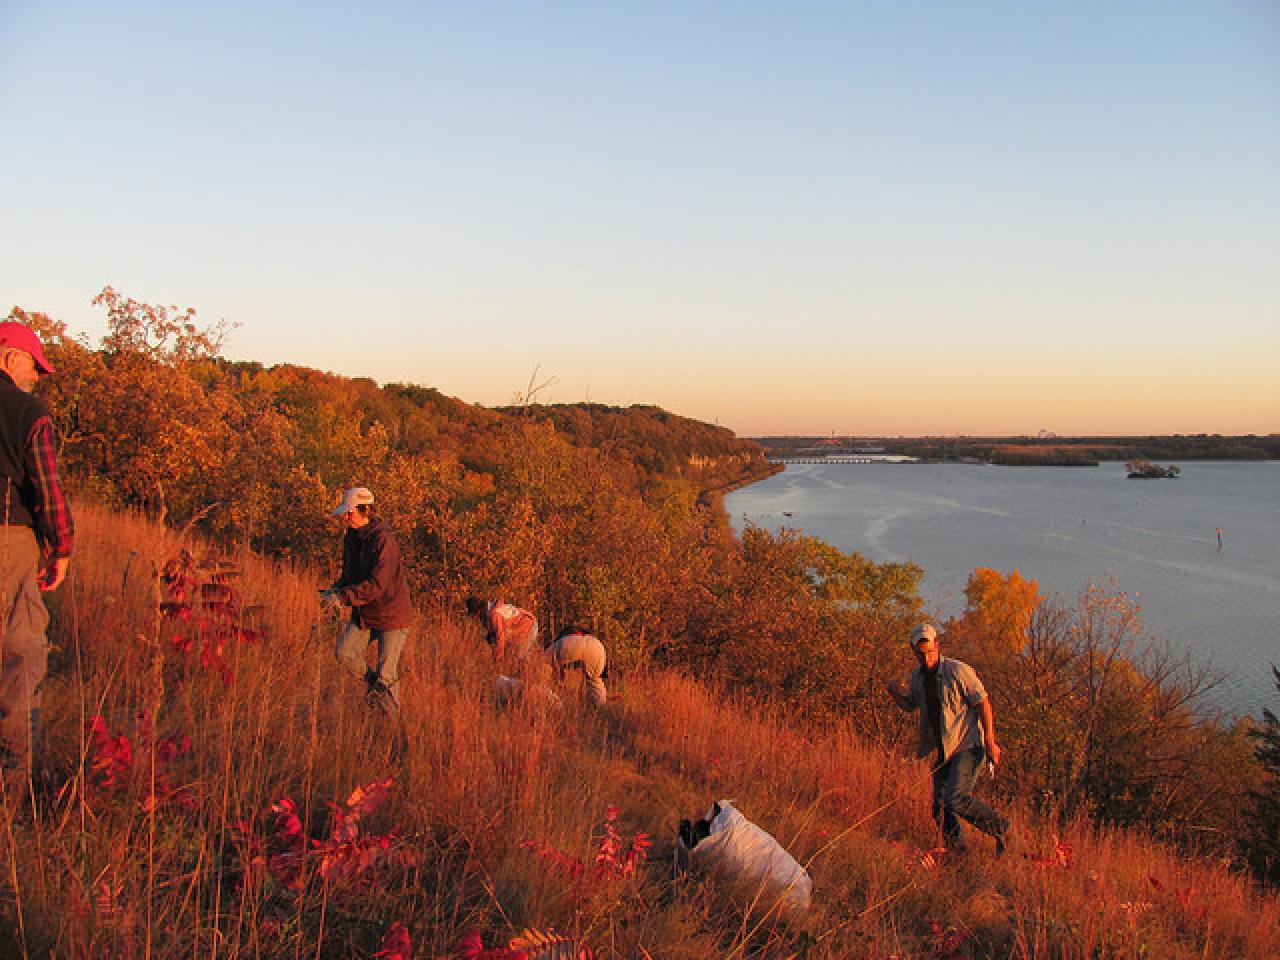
[1154,540]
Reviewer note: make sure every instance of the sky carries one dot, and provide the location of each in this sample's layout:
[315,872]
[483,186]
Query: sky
[855,218]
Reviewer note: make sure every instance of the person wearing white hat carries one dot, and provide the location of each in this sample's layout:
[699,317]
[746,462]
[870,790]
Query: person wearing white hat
[374,586]
[35,548]
[958,727]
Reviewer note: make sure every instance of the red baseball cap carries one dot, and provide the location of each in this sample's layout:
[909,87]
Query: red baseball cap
[21,337]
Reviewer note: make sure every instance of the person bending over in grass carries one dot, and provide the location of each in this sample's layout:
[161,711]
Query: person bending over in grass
[575,648]
[373,585]
[35,548]
[507,628]
[958,727]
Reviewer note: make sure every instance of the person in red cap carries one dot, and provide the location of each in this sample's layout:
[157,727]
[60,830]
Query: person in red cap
[35,548]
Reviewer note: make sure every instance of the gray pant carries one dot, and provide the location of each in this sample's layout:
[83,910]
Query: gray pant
[352,644]
[24,651]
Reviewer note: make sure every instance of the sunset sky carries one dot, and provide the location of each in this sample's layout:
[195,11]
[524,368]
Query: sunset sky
[851,217]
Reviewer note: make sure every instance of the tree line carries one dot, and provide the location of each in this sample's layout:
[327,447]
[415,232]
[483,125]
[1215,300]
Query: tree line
[1052,450]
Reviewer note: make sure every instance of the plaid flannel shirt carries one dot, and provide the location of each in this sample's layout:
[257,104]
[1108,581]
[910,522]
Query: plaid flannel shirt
[51,510]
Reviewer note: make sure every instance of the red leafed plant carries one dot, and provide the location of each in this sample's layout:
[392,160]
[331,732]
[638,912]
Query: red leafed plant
[282,856]
[530,945]
[346,854]
[288,845]
[470,946]
[924,859]
[534,945]
[931,859]
[111,761]
[110,755]
[615,857]
[172,746]
[947,943]
[1062,856]
[349,855]
[176,610]
[204,609]
[395,944]
[178,575]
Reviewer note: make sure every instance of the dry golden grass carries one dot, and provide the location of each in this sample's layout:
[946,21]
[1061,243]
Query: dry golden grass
[103,872]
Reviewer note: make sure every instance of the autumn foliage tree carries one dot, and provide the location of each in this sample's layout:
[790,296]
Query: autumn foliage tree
[997,615]
[1264,825]
[792,614]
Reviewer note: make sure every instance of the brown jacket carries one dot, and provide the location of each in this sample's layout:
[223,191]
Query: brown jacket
[373,580]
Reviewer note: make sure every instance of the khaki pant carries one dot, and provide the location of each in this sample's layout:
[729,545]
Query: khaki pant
[585,651]
[24,651]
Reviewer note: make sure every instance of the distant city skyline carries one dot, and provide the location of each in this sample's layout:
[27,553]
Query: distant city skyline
[865,219]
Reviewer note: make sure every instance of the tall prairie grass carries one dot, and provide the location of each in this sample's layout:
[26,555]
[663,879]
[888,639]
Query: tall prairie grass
[179,852]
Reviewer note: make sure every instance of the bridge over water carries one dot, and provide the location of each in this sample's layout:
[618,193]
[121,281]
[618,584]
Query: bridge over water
[850,458]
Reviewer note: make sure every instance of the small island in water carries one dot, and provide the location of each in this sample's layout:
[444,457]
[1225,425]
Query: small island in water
[1146,470]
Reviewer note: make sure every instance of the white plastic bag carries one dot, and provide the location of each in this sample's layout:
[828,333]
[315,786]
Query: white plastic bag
[752,864]
[508,687]
[512,690]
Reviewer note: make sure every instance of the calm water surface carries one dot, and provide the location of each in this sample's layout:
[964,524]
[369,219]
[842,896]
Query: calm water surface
[1065,527]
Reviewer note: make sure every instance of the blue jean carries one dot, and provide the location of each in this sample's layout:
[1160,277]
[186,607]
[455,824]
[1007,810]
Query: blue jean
[352,644]
[953,798]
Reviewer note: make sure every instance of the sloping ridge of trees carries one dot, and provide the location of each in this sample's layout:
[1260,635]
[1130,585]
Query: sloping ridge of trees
[597,515]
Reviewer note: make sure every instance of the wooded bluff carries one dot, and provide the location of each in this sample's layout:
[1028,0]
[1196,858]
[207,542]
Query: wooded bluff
[602,516]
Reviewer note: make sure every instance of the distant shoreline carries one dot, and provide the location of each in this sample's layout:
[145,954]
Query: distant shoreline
[1046,451]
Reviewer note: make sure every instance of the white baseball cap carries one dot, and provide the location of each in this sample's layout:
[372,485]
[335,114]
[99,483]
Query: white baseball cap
[926,631]
[355,497]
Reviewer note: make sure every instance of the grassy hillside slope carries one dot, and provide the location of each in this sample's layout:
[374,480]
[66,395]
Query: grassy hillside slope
[178,848]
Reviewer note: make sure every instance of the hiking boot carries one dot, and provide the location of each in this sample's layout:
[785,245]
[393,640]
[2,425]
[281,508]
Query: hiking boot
[381,698]
[375,697]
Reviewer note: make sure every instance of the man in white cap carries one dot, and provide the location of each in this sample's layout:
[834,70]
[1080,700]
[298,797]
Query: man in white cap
[958,727]
[35,548]
[373,585]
